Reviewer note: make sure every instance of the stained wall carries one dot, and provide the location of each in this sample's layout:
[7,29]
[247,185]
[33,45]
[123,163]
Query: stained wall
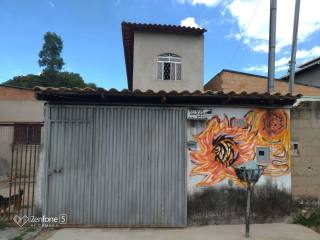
[230,138]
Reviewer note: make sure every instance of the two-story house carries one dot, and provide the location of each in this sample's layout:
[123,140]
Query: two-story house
[165,152]
[163,57]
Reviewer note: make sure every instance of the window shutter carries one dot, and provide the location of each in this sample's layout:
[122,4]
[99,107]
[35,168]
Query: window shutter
[178,69]
[159,72]
[172,71]
[20,134]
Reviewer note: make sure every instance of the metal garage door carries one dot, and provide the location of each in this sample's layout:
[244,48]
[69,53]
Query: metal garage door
[116,166]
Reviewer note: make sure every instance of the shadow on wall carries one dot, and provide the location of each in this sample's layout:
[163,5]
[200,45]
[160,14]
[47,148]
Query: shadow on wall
[4,170]
[227,205]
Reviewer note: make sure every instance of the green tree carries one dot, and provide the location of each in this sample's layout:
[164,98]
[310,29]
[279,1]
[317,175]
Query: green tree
[27,81]
[47,79]
[51,76]
[49,56]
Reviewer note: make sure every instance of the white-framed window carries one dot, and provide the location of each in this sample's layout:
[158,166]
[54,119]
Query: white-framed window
[169,67]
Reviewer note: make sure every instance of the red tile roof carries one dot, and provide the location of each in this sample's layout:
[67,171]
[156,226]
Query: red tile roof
[101,95]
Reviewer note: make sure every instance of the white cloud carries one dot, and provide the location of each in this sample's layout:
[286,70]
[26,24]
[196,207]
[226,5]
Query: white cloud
[302,56]
[256,68]
[282,64]
[208,3]
[189,22]
[256,31]
[308,54]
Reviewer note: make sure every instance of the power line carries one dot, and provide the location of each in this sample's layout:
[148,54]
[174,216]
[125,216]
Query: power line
[246,29]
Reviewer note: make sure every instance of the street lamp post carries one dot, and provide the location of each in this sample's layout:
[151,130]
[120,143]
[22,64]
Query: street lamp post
[249,175]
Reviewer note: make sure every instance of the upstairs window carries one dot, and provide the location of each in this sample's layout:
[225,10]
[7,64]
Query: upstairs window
[169,67]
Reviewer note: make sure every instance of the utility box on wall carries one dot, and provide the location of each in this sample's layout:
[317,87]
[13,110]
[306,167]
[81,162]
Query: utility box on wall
[263,155]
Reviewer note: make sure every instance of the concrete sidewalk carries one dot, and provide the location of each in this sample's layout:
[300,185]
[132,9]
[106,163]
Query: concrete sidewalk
[280,231]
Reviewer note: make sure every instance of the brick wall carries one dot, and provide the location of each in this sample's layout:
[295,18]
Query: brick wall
[12,93]
[231,81]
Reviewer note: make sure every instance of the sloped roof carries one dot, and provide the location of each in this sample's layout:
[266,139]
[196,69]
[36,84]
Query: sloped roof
[126,97]
[310,63]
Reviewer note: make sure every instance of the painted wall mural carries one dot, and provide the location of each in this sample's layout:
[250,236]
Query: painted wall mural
[223,145]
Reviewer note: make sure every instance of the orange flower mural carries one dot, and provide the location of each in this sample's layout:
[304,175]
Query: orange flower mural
[273,131]
[222,147]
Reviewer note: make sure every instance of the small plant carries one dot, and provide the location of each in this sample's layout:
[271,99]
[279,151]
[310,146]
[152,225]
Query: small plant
[312,221]
[20,237]
[3,225]
[23,233]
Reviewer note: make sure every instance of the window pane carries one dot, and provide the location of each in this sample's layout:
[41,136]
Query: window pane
[159,71]
[27,134]
[34,135]
[178,69]
[166,73]
[175,60]
[20,134]
[163,59]
[172,73]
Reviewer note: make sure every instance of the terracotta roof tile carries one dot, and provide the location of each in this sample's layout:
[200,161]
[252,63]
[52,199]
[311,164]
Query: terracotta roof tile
[172,97]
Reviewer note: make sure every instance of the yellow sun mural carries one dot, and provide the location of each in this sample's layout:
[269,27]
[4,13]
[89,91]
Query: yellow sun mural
[223,146]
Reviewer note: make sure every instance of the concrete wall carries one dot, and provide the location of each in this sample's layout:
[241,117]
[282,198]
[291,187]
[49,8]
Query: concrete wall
[306,163]
[6,139]
[310,76]
[215,194]
[21,111]
[147,46]
[25,110]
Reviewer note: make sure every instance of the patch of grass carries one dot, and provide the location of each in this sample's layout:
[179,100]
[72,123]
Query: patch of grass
[312,222]
[30,229]
[23,233]
[20,237]
[3,225]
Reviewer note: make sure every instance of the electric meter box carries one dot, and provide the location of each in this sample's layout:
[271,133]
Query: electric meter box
[263,156]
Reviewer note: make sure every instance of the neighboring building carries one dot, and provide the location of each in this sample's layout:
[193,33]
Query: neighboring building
[229,80]
[163,57]
[21,119]
[308,73]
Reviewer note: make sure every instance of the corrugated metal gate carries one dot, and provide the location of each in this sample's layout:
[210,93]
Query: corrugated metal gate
[116,166]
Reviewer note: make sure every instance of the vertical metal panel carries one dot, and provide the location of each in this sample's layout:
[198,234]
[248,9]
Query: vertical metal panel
[121,166]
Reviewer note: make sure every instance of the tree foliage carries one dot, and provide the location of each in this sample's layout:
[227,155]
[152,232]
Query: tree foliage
[49,56]
[60,79]
[52,63]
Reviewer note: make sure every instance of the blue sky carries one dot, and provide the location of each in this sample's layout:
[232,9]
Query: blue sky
[91,30]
